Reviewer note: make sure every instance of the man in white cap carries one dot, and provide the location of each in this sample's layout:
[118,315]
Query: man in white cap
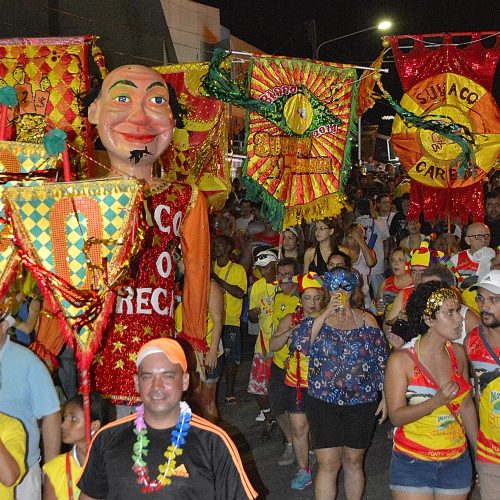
[163,449]
[483,351]
[260,310]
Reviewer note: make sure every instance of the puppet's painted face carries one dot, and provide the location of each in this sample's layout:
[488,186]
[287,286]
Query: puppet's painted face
[133,116]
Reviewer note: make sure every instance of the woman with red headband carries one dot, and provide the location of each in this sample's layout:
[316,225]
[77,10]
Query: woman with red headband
[289,331]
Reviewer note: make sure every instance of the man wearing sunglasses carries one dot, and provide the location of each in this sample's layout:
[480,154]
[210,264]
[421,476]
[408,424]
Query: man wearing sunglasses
[483,350]
[469,264]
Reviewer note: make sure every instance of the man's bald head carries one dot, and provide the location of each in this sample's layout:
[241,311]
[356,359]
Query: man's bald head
[477,236]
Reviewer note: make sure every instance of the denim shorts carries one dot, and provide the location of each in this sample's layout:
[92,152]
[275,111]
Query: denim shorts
[213,376]
[445,477]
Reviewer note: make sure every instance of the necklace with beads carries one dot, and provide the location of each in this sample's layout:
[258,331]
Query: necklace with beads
[165,470]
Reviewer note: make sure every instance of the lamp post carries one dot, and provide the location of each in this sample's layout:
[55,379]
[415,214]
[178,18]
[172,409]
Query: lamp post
[383,25]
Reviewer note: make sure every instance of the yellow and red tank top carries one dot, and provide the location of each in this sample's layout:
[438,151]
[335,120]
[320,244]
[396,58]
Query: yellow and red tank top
[297,364]
[465,266]
[437,436]
[390,290]
[487,374]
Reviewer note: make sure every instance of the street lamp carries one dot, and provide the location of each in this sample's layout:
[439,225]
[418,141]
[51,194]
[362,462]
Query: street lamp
[382,26]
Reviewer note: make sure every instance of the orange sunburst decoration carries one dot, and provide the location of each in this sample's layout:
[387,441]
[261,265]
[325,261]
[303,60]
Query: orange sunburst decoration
[448,133]
[426,154]
[298,164]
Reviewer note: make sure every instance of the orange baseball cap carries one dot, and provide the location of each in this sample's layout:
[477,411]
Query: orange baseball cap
[170,347]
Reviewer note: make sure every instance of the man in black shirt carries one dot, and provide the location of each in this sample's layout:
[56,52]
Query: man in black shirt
[163,449]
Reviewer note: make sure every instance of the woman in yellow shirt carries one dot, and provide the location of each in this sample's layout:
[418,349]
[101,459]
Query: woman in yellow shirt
[62,472]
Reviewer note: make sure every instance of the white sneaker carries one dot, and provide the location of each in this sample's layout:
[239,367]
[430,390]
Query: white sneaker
[260,417]
[288,457]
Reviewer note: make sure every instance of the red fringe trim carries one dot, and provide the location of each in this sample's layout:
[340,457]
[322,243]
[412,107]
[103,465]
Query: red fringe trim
[9,274]
[197,344]
[440,203]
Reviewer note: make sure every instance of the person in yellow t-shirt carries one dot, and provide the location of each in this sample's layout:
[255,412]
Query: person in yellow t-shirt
[232,278]
[12,455]
[285,302]
[291,333]
[62,472]
[260,310]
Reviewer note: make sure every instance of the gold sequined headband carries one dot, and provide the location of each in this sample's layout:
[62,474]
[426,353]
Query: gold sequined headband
[436,299]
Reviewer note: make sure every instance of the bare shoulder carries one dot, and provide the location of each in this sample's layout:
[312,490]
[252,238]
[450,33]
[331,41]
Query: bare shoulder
[344,249]
[399,361]
[309,252]
[370,319]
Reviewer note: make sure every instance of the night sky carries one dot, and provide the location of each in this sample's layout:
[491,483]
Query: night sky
[280,27]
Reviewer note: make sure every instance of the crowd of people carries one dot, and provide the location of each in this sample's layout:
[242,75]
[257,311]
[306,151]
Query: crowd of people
[391,259]
[354,317]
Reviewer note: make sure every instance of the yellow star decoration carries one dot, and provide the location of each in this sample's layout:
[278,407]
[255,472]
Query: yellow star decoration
[132,357]
[98,359]
[117,346]
[119,364]
[153,279]
[172,197]
[120,328]
[136,339]
[156,240]
[147,330]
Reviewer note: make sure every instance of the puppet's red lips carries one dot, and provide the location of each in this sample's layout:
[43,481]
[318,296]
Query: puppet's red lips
[139,138]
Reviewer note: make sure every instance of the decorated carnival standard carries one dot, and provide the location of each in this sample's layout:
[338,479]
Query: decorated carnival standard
[447,133]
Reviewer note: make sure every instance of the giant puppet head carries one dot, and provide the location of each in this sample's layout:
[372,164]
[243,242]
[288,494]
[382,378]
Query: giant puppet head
[134,119]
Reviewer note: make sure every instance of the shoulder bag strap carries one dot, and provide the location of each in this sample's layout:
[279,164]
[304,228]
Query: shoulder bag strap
[69,479]
[490,350]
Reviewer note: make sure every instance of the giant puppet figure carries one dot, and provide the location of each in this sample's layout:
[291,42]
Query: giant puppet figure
[135,124]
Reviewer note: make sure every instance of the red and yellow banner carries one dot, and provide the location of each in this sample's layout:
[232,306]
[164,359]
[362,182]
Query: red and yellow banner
[300,159]
[198,153]
[451,85]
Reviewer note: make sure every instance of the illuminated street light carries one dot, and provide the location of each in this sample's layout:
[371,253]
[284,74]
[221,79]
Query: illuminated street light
[382,26]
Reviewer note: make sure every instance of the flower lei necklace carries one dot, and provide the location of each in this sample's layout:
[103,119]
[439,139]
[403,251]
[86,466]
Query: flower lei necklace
[166,470]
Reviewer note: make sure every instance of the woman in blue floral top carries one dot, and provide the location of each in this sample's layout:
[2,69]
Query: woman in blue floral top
[347,356]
